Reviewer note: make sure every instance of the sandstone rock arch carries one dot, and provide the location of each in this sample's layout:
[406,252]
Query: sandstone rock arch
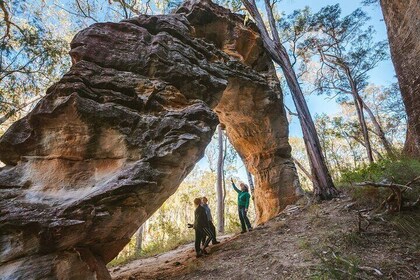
[118,133]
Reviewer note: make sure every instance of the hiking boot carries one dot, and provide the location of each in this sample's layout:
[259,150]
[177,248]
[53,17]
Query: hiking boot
[216,242]
[199,254]
[204,252]
[243,231]
[250,229]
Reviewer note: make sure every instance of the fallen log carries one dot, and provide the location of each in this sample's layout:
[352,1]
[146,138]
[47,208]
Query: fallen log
[394,201]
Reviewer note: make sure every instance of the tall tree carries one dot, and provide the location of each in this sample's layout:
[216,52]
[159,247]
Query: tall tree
[386,105]
[322,183]
[139,239]
[347,53]
[251,185]
[402,21]
[219,188]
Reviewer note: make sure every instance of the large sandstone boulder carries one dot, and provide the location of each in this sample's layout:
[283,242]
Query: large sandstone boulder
[114,138]
[402,18]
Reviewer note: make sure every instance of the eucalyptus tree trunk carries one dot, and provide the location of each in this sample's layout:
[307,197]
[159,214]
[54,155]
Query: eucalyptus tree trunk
[358,101]
[379,131]
[7,116]
[139,239]
[378,154]
[321,179]
[219,189]
[303,169]
[250,181]
[251,185]
[363,126]
[402,22]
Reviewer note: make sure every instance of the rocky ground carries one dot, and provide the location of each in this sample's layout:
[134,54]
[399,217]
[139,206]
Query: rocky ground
[320,241]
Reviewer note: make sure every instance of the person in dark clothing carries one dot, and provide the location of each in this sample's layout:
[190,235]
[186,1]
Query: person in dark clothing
[201,227]
[243,204]
[204,203]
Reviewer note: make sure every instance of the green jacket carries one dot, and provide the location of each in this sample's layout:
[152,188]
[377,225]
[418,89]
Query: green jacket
[243,197]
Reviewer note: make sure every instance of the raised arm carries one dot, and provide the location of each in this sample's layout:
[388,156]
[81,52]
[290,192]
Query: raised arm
[234,187]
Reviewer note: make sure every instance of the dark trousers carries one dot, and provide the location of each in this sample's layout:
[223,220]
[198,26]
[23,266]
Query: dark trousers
[199,235]
[243,218]
[213,232]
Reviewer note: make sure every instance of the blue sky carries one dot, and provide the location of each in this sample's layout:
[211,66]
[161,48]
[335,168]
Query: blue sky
[383,74]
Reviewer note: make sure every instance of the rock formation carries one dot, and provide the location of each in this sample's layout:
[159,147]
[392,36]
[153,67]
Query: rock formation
[114,138]
[402,18]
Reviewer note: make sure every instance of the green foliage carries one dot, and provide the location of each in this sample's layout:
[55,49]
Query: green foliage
[293,29]
[150,249]
[352,239]
[334,55]
[304,244]
[33,55]
[234,5]
[387,105]
[341,138]
[336,266]
[408,224]
[35,39]
[399,171]
[370,2]
[346,50]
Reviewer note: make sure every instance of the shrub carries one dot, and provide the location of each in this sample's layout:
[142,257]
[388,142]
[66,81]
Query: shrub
[400,171]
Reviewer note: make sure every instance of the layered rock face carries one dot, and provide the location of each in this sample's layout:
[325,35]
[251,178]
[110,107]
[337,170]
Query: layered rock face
[254,116]
[402,18]
[114,138]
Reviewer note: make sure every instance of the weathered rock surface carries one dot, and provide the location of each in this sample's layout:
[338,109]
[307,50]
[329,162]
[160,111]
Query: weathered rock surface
[402,18]
[254,115]
[114,138]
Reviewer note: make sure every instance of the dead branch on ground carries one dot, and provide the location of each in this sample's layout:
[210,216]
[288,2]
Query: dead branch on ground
[394,201]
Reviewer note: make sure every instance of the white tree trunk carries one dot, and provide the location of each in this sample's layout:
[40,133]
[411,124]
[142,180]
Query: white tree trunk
[251,185]
[363,126]
[139,239]
[379,131]
[219,189]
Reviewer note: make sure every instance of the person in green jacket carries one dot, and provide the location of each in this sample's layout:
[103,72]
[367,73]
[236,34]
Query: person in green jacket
[243,204]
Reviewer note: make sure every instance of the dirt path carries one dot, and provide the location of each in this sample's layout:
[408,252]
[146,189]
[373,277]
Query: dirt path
[162,266]
[319,242]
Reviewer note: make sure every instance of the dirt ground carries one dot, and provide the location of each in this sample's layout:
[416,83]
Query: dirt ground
[321,241]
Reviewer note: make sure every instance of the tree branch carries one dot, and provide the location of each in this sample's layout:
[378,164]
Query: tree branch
[382,185]
[272,21]
[6,17]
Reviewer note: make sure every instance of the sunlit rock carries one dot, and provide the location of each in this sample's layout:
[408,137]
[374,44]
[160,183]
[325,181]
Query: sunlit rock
[114,138]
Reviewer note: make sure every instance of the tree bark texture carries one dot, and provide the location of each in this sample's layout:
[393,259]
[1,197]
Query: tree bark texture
[403,27]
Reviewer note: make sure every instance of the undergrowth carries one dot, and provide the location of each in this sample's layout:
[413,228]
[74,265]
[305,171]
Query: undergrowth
[336,266]
[399,171]
[152,249]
